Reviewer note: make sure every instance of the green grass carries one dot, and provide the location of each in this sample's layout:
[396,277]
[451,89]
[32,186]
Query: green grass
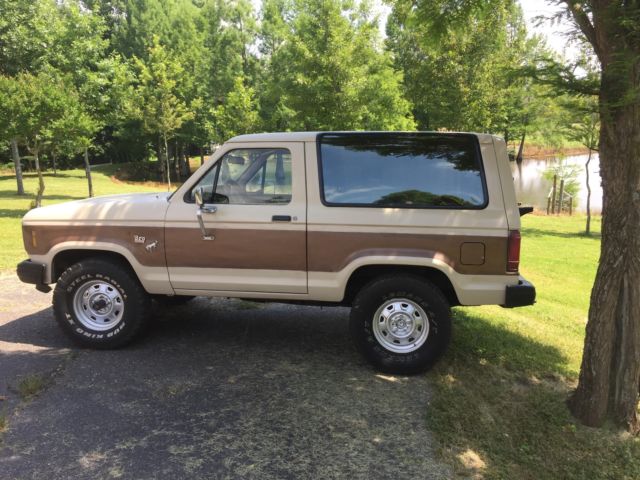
[67,185]
[3,422]
[30,385]
[501,389]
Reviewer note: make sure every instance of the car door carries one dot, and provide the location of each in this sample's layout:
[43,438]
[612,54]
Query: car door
[252,237]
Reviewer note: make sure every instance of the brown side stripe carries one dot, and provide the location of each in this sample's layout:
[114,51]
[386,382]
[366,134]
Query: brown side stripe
[237,248]
[277,249]
[332,251]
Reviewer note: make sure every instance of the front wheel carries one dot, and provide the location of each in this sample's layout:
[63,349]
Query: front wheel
[100,304]
[402,324]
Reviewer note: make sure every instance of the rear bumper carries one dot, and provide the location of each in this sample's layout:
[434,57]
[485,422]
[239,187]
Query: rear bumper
[31,272]
[520,295]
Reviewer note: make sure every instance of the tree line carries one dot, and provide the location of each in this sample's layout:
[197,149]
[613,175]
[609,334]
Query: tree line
[129,80]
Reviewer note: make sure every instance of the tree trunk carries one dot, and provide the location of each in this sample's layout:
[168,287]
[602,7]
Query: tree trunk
[201,156]
[166,159]
[610,373]
[160,155]
[53,164]
[588,229]
[186,168]
[176,161]
[521,149]
[87,169]
[16,162]
[40,193]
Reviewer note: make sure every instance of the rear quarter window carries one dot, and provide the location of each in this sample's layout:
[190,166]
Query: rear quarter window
[408,170]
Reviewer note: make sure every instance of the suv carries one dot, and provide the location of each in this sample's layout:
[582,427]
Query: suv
[399,226]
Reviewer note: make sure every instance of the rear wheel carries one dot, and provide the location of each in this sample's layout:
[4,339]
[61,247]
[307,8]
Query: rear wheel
[401,324]
[100,304]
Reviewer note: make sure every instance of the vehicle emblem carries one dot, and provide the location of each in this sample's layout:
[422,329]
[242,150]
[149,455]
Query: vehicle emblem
[139,239]
[152,246]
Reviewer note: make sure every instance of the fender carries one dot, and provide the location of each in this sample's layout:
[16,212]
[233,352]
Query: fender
[154,279]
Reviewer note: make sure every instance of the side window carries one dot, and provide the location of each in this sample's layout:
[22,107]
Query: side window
[249,176]
[403,170]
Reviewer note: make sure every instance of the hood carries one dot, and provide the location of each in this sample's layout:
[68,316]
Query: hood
[137,207]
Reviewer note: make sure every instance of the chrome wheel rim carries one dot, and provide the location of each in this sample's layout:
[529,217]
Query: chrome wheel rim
[401,325]
[98,305]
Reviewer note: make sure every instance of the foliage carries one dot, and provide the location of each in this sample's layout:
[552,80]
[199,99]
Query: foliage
[239,113]
[159,105]
[327,71]
[469,78]
[298,64]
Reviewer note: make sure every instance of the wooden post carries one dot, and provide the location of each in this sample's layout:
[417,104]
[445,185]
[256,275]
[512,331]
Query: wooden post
[553,194]
[561,196]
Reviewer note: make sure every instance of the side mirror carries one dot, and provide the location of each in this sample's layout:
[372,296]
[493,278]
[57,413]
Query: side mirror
[199,196]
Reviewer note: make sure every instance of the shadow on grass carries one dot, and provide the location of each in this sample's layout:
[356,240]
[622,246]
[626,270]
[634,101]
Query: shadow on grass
[500,398]
[477,339]
[535,232]
[29,196]
[60,174]
[12,213]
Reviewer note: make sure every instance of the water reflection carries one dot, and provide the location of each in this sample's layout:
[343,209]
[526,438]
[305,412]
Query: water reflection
[532,188]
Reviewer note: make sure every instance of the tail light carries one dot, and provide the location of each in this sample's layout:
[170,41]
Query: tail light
[513,251]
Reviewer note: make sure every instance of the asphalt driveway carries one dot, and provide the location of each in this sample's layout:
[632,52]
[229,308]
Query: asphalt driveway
[216,389]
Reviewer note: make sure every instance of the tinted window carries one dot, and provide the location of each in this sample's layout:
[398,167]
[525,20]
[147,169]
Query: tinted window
[401,170]
[249,176]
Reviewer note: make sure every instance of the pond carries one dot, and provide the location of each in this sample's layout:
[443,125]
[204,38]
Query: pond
[532,188]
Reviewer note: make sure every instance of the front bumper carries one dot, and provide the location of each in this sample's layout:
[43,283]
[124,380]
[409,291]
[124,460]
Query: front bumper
[520,295]
[31,272]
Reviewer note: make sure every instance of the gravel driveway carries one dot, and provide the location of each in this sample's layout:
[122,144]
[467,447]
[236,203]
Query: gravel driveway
[215,389]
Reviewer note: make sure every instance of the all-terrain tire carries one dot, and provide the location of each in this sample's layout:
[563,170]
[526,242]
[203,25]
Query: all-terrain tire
[407,300]
[100,304]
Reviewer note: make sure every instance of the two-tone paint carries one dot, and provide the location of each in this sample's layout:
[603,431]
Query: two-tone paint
[310,258]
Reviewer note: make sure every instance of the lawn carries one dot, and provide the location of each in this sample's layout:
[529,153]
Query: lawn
[498,410]
[67,185]
[499,406]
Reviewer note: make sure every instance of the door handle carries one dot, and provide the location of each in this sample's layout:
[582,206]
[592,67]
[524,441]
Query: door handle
[209,209]
[203,229]
[281,218]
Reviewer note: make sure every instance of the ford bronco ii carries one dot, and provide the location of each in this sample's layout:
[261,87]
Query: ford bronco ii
[399,226]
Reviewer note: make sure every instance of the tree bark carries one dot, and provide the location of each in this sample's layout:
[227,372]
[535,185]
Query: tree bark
[521,148]
[176,161]
[610,373]
[15,153]
[586,167]
[87,169]
[160,155]
[40,193]
[201,156]
[166,159]
[186,168]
